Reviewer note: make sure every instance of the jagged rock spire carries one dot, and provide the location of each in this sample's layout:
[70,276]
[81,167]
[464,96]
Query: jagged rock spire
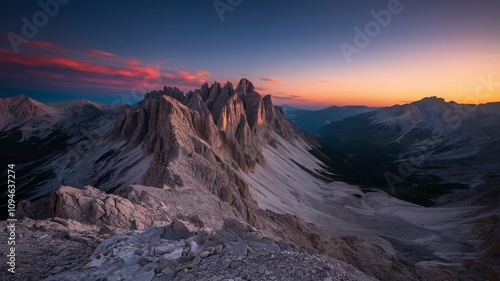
[245,87]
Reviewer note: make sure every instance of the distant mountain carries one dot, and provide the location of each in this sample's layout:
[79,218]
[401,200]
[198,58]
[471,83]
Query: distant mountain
[422,149]
[21,110]
[292,112]
[34,119]
[38,138]
[312,120]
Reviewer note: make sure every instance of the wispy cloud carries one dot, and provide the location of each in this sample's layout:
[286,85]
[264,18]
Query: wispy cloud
[285,97]
[272,80]
[266,79]
[55,66]
[45,45]
[101,53]
[202,73]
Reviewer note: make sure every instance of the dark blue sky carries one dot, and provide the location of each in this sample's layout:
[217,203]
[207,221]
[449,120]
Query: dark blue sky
[288,48]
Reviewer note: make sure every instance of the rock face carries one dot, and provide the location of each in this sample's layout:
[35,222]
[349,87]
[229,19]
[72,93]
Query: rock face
[206,138]
[87,205]
[129,208]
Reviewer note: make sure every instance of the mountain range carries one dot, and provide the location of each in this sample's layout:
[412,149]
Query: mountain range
[312,120]
[204,138]
[423,149]
[208,184]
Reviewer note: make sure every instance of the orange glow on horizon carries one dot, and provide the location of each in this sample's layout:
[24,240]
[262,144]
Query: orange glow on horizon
[464,72]
[473,90]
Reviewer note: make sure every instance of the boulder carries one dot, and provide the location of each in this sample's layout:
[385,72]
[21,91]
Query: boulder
[88,205]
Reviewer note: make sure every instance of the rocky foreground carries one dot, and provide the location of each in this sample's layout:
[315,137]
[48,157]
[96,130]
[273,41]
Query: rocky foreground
[147,233]
[67,250]
[182,234]
[88,240]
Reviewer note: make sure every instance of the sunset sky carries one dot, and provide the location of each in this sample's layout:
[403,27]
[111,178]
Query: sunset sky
[112,51]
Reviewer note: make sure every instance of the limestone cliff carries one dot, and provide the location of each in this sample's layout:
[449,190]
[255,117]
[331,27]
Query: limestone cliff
[205,138]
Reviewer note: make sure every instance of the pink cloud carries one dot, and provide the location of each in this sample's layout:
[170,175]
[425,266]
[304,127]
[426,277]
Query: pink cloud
[190,77]
[45,45]
[286,97]
[58,65]
[272,80]
[266,79]
[202,73]
[64,62]
[101,53]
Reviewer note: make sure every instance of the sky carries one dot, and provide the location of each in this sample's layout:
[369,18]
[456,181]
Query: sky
[309,54]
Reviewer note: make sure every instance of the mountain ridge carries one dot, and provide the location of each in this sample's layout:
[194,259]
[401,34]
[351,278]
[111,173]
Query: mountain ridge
[218,132]
[440,143]
[312,120]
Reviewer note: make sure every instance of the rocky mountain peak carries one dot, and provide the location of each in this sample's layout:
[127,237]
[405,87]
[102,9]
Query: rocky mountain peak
[19,98]
[244,87]
[208,138]
[229,86]
[173,92]
[217,138]
[432,99]
[16,110]
[20,103]
[205,91]
[430,103]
